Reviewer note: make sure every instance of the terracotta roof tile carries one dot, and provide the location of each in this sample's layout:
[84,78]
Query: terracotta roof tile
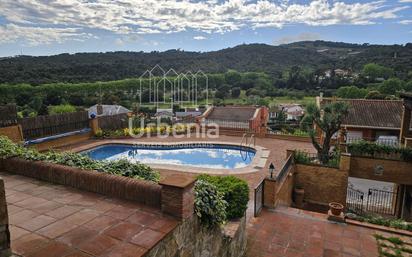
[372,113]
[232,113]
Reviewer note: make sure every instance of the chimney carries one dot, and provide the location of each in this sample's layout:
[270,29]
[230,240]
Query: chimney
[99,109]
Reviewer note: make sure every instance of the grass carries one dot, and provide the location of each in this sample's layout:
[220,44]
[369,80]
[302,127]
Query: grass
[392,246]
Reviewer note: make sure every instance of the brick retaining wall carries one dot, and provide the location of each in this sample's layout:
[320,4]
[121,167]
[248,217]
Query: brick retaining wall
[145,192]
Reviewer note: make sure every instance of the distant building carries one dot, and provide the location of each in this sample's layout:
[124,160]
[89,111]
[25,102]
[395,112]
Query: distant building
[292,111]
[240,118]
[338,72]
[191,115]
[371,120]
[107,110]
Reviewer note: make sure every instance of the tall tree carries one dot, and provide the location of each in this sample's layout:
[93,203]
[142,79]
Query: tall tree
[329,120]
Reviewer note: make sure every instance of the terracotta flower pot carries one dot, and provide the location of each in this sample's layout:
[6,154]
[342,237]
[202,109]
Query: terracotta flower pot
[336,208]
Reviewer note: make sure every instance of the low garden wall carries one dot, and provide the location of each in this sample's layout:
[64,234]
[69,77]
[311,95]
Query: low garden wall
[13,132]
[190,238]
[285,190]
[322,185]
[381,169]
[289,137]
[141,191]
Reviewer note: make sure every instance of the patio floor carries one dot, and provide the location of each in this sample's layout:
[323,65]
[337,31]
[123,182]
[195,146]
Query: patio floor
[292,232]
[48,220]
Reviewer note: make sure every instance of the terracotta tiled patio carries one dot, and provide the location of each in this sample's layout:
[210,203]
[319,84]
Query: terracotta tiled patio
[49,220]
[292,232]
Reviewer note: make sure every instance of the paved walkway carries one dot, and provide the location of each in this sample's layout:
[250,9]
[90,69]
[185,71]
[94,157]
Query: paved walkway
[56,221]
[292,232]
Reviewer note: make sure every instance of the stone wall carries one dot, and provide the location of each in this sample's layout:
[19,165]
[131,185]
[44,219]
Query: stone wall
[322,185]
[191,239]
[4,224]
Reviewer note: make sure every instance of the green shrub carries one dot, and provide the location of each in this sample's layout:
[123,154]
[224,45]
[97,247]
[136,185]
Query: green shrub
[301,157]
[379,220]
[63,108]
[209,204]
[371,148]
[235,192]
[124,168]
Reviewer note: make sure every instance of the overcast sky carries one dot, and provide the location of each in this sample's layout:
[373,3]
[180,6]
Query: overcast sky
[45,27]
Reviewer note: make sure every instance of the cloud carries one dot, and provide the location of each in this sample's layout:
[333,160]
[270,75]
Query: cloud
[33,36]
[126,17]
[405,1]
[199,38]
[300,37]
[405,22]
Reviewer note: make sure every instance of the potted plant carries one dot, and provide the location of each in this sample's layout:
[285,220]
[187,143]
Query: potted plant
[336,208]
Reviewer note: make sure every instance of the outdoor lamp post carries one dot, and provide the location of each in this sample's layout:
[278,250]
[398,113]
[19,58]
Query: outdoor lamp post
[271,169]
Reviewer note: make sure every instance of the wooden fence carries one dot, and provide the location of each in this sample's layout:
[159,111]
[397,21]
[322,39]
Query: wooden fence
[8,115]
[47,125]
[112,122]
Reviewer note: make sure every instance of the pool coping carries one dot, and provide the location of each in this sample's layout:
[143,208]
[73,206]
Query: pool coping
[258,163]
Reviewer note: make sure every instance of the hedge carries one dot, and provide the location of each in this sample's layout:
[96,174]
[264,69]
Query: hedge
[235,192]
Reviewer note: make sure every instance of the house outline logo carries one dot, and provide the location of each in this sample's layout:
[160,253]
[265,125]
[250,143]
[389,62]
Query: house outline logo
[170,87]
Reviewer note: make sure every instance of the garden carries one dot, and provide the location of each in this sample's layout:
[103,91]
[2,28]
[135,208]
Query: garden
[217,199]
[377,150]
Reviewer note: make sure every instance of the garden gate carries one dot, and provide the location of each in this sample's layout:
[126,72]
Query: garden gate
[377,201]
[259,198]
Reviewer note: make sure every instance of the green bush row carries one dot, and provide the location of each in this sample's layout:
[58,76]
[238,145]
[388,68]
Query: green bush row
[378,220]
[235,192]
[372,148]
[8,149]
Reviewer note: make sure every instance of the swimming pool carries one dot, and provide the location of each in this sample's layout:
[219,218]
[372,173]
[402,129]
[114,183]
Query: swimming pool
[214,156]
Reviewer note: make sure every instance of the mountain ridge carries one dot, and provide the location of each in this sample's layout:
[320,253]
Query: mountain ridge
[273,60]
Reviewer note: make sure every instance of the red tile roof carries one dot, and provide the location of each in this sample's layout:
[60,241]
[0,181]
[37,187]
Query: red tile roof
[372,113]
[232,113]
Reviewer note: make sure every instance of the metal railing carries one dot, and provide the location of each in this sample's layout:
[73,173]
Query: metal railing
[354,201]
[239,125]
[284,170]
[259,198]
[302,157]
[381,141]
[381,202]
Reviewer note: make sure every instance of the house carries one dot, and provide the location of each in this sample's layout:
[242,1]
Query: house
[241,118]
[187,116]
[293,112]
[372,120]
[107,110]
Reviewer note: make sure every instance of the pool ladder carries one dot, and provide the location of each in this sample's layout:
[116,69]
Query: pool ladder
[247,144]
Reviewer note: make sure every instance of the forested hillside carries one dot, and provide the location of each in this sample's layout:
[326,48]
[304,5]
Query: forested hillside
[315,56]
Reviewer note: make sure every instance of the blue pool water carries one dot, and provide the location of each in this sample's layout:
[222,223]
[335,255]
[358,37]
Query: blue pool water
[206,156]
